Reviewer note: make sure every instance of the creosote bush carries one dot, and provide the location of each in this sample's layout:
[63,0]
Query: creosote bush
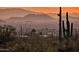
[7,33]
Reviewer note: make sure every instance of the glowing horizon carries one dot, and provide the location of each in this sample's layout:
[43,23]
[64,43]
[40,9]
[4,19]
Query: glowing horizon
[53,9]
[48,9]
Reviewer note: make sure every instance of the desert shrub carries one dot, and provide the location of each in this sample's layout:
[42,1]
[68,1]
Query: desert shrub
[7,33]
[33,44]
[41,44]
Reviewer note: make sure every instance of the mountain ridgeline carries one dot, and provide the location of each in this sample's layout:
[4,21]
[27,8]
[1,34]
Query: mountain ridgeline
[17,16]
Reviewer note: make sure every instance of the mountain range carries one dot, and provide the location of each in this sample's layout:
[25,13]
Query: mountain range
[16,16]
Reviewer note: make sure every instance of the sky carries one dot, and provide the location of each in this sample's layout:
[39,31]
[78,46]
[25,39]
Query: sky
[49,9]
[54,9]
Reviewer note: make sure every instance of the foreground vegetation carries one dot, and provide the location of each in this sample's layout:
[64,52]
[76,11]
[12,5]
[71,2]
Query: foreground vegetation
[35,42]
[41,44]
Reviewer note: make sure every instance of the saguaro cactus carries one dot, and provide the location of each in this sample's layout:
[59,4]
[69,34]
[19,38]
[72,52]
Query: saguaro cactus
[68,31]
[60,30]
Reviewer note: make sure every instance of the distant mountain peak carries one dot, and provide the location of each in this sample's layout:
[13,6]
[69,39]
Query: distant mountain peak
[37,15]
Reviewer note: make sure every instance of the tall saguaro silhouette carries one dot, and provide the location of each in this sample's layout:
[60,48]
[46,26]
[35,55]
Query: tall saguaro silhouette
[60,28]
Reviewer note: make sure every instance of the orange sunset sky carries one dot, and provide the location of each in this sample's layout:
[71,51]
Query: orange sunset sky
[49,9]
[54,9]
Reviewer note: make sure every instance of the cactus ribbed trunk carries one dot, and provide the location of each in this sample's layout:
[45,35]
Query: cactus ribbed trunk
[63,28]
[71,29]
[60,31]
[68,24]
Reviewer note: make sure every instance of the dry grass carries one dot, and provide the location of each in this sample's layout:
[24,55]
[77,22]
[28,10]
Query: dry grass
[40,44]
